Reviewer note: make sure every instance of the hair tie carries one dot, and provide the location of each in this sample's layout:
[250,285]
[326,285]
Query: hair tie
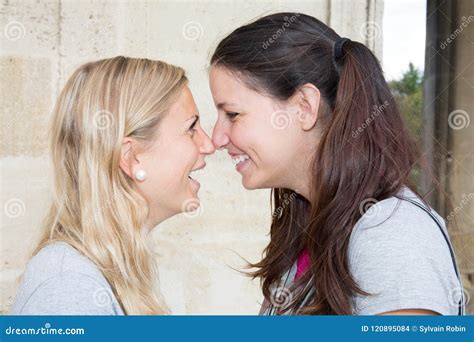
[338,47]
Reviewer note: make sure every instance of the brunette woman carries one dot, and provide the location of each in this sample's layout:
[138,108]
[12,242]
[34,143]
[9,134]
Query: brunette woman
[308,113]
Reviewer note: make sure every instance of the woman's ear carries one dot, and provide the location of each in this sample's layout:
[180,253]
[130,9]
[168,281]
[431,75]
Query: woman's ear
[127,157]
[309,99]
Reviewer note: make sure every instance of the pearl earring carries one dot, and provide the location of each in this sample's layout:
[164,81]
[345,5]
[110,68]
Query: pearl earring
[140,175]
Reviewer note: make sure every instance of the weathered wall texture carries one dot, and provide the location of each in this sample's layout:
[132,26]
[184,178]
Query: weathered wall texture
[460,168]
[448,130]
[42,42]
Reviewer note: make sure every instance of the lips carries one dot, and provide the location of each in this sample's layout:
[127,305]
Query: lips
[196,171]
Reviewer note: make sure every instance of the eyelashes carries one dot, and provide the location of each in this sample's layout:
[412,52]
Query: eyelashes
[192,129]
[231,115]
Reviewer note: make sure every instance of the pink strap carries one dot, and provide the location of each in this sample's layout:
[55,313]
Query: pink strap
[302,264]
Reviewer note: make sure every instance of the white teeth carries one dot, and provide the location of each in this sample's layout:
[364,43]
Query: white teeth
[238,159]
[195,173]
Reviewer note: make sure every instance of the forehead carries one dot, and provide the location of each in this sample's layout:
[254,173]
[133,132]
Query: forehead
[184,107]
[229,89]
[226,84]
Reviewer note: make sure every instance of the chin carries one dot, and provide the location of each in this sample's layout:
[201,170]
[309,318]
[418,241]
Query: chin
[265,184]
[252,185]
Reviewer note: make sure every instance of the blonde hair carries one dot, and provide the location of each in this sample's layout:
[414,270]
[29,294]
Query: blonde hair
[95,207]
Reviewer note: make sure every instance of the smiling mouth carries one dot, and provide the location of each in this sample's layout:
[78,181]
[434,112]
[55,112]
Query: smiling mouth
[239,159]
[196,172]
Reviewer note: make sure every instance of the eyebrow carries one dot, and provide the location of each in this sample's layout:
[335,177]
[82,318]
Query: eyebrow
[223,104]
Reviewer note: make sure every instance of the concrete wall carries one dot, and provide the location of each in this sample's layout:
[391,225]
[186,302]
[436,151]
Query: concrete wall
[41,44]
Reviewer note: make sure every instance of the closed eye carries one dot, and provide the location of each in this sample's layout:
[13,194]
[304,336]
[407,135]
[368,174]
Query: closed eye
[231,115]
[194,123]
[191,128]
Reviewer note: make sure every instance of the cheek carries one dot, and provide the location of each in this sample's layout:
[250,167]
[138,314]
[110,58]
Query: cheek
[182,156]
[161,164]
[240,136]
[249,134]
[168,169]
[258,138]
[159,170]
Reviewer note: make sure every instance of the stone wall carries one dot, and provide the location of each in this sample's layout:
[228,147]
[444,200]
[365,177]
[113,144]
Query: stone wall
[42,42]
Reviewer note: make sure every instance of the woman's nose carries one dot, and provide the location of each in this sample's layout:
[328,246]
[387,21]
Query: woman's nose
[220,137]
[207,147]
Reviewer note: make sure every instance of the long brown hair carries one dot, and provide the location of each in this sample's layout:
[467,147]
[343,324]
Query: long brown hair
[365,154]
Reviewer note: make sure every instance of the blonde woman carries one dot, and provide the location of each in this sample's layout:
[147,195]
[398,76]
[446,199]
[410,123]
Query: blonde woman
[125,137]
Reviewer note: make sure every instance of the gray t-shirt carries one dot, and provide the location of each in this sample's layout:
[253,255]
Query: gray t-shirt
[60,281]
[398,253]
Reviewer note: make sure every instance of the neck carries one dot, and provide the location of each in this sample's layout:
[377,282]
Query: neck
[155,219]
[300,178]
